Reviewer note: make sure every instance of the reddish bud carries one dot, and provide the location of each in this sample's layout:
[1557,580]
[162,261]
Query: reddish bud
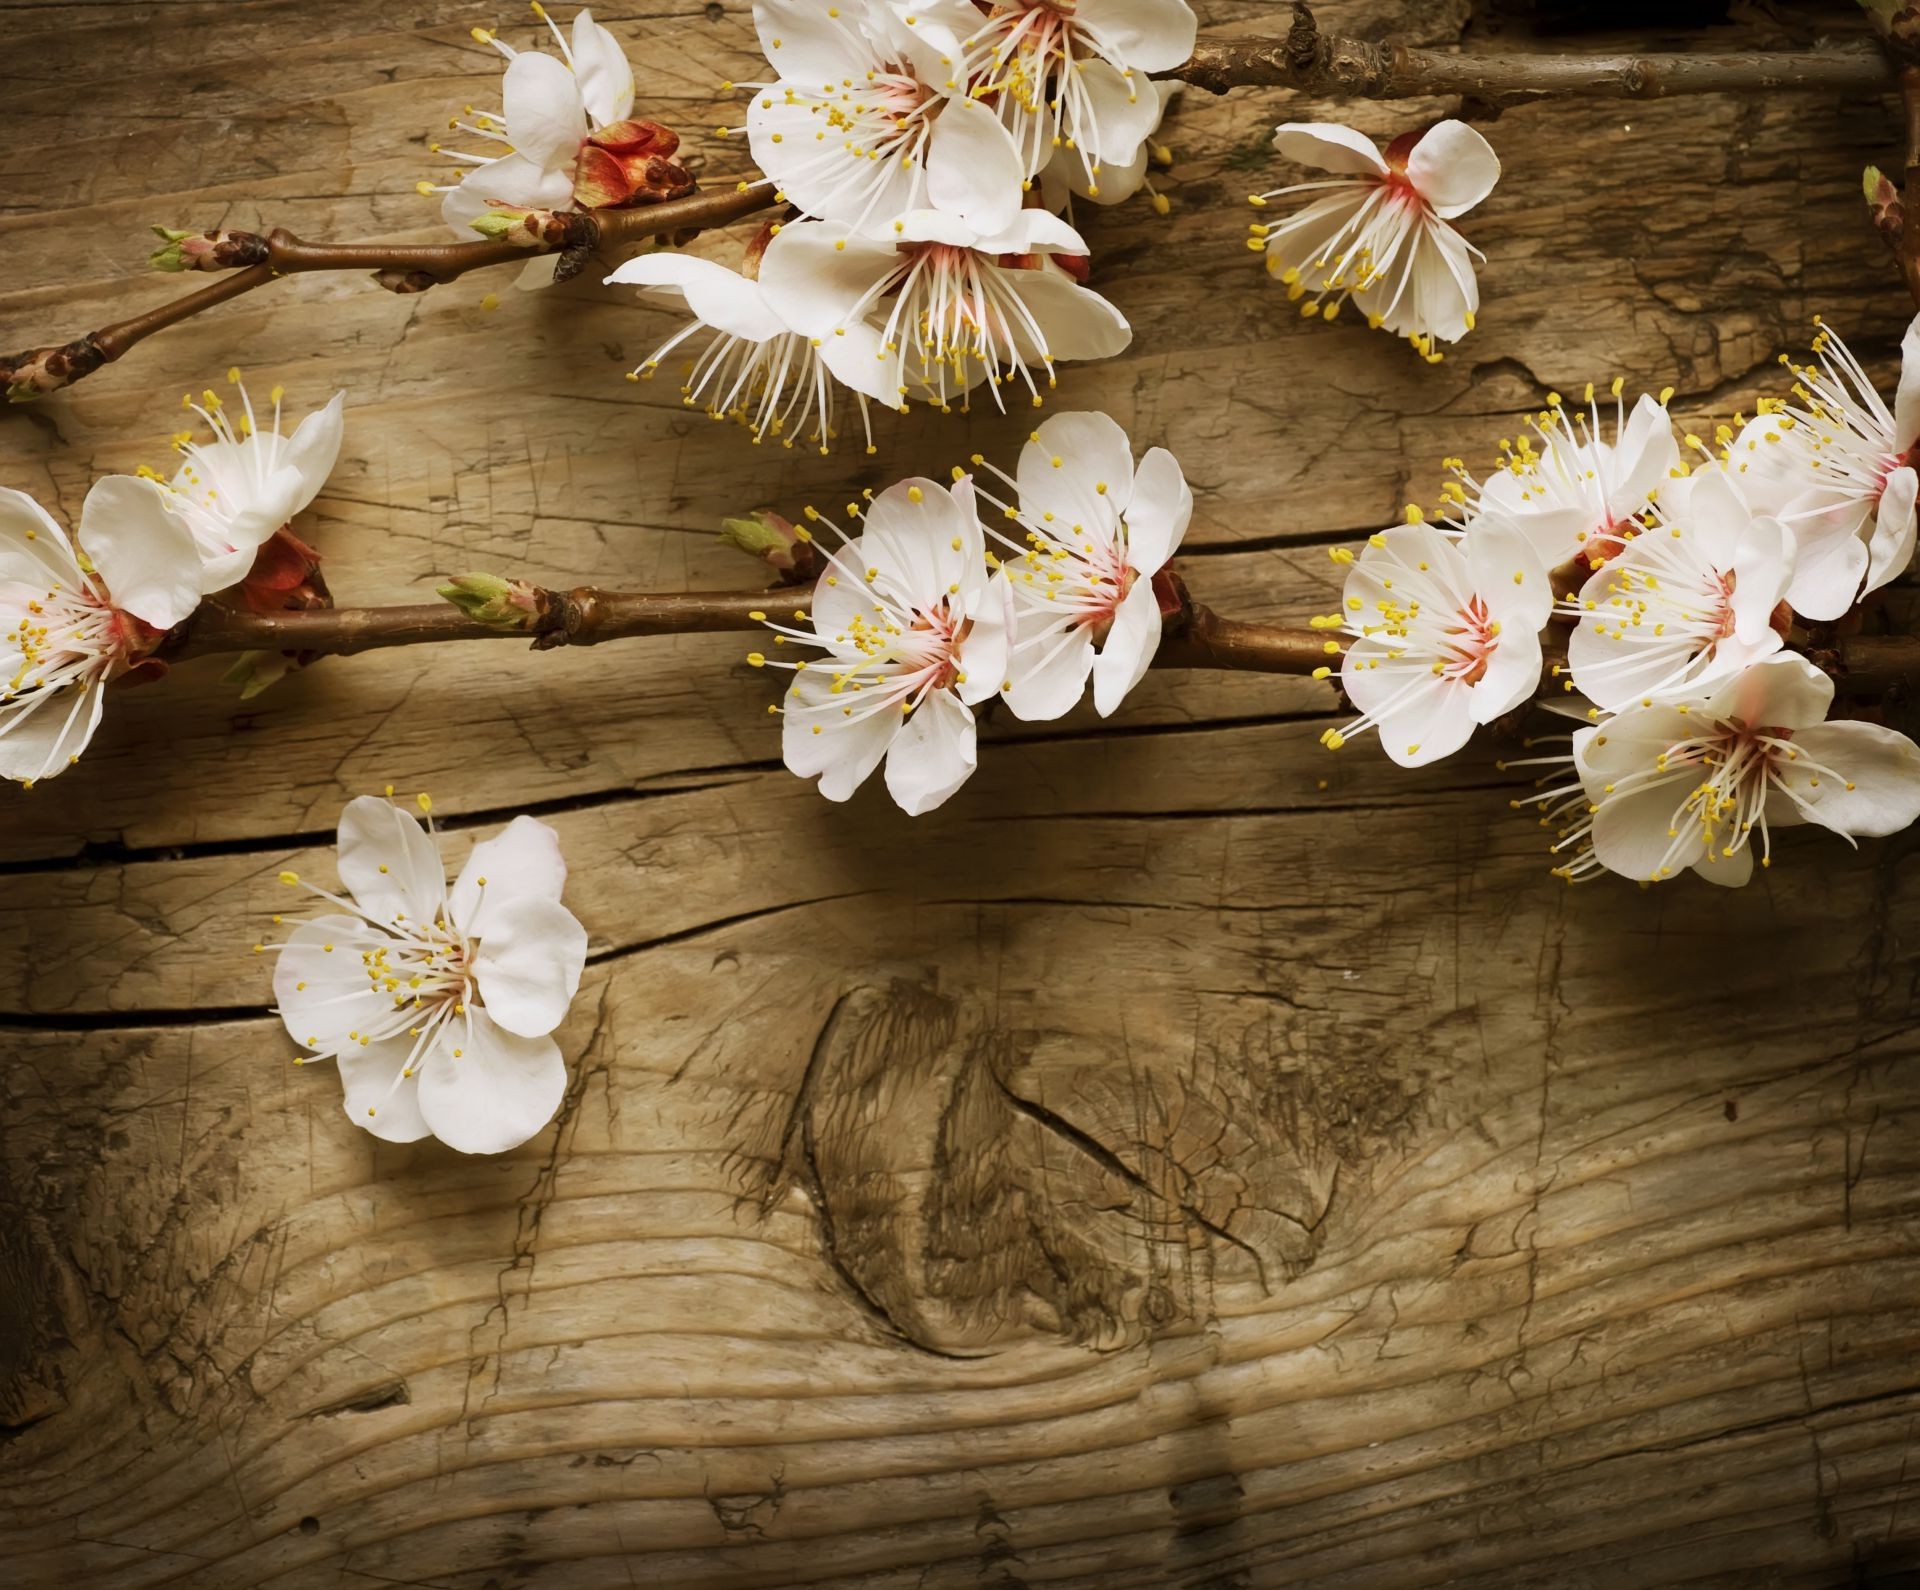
[627,164]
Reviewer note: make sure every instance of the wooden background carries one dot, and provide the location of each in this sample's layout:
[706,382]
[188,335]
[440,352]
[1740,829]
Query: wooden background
[1189,1158]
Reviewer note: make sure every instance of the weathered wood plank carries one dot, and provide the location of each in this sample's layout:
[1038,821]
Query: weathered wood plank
[1189,1158]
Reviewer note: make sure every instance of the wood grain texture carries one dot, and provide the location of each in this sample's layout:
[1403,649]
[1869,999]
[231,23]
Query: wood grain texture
[1187,1159]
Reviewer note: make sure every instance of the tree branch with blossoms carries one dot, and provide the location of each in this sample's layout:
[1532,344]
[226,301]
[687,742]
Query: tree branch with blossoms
[622,184]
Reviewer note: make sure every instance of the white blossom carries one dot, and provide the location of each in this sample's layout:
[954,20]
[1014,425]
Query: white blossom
[549,107]
[1378,231]
[1074,78]
[1577,493]
[870,115]
[1663,787]
[1839,469]
[1080,588]
[437,1004]
[1687,601]
[752,367]
[74,617]
[949,310]
[1446,635]
[912,636]
[235,491]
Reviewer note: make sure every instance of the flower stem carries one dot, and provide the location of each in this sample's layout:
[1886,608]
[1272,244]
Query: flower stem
[257,259]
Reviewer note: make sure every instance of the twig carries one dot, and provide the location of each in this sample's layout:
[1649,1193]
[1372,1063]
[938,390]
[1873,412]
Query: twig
[258,258]
[587,616]
[1341,68]
[1868,665]
[1907,245]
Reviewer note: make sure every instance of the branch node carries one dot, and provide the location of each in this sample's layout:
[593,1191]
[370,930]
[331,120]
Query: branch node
[38,371]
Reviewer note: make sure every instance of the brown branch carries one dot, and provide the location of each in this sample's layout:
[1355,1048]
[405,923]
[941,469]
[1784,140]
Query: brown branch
[587,616]
[1906,239]
[1341,68]
[1872,666]
[256,259]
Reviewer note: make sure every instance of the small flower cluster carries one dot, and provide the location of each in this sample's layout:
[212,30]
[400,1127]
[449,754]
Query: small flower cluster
[1679,574]
[1379,229]
[918,620]
[437,1004]
[79,612]
[918,143]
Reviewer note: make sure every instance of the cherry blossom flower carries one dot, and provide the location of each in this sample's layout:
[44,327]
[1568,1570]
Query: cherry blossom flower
[1074,77]
[1671,785]
[1688,601]
[1064,178]
[752,367]
[1378,231]
[235,491]
[74,617]
[437,1004]
[1447,635]
[950,310]
[1577,494]
[870,116]
[1839,469]
[565,136]
[1081,587]
[913,637]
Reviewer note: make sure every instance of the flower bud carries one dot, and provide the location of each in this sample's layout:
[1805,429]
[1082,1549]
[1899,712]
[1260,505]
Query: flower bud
[285,577]
[206,251]
[629,163]
[765,535]
[1883,203]
[487,598]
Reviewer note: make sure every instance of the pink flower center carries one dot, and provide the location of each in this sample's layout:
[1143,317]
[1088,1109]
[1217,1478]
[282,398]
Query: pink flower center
[1472,642]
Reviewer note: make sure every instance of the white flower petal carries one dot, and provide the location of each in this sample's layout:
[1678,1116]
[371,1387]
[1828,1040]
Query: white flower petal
[500,1090]
[1781,691]
[513,181]
[1127,652]
[1076,322]
[1064,465]
[1159,512]
[528,963]
[1729,869]
[1829,562]
[1119,114]
[973,168]
[815,272]
[322,988]
[1507,574]
[1049,665]
[522,861]
[34,549]
[932,755]
[43,732]
[1512,675]
[601,69]
[377,1097]
[144,551]
[1890,549]
[718,297]
[388,862]
[1328,146]
[807,40]
[1762,565]
[1147,35]
[545,117]
[1878,788]
[1906,403]
[838,739]
[1453,168]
